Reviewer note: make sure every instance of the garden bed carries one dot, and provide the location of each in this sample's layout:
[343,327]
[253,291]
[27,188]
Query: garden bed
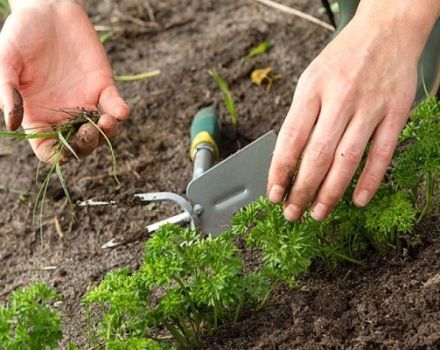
[391,302]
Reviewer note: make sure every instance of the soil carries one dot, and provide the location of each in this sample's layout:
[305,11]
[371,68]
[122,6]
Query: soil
[392,302]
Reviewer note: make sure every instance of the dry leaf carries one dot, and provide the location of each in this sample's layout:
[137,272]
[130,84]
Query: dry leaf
[259,75]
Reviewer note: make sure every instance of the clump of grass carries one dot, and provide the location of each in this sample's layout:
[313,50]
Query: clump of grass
[226,94]
[63,134]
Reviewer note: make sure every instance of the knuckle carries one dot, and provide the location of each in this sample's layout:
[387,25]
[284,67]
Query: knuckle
[293,136]
[371,179]
[383,154]
[310,78]
[319,153]
[281,173]
[303,192]
[330,196]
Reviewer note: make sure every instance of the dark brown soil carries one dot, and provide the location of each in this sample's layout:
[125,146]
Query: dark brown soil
[392,303]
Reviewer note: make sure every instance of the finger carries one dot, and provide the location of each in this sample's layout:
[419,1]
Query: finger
[109,126]
[45,149]
[85,140]
[317,158]
[384,142]
[11,101]
[12,106]
[112,103]
[346,160]
[290,143]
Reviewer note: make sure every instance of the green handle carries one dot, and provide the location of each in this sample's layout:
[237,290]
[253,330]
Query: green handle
[205,129]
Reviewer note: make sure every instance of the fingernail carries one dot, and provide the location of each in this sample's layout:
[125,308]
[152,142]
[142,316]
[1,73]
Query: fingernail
[292,212]
[276,193]
[320,211]
[363,198]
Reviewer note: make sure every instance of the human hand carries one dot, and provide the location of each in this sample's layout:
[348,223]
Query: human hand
[360,88]
[52,59]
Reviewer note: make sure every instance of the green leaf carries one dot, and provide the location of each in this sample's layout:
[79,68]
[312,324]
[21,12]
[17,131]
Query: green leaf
[260,49]
[227,95]
[66,144]
[110,146]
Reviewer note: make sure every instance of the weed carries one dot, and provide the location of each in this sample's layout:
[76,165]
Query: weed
[227,95]
[106,36]
[63,134]
[140,76]
[261,48]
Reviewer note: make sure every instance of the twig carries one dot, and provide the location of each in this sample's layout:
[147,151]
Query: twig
[135,20]
[150,12]
[297,13]
[58,228]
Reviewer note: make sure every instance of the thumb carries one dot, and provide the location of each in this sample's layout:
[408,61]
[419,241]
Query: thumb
[11,103]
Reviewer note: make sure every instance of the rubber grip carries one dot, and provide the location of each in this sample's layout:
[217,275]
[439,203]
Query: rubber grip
[205,129]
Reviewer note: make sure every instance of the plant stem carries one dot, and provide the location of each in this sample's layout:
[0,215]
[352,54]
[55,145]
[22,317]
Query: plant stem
[429,190]
[140,76]
[178,337]
[109,332]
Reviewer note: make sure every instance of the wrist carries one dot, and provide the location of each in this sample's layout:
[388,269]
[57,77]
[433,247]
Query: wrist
[401,22]
[18,4]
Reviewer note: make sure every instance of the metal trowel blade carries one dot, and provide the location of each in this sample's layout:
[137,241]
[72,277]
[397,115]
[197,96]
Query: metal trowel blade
[232,184]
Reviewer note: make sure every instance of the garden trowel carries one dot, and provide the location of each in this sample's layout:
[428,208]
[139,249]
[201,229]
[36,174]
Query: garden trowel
[216,192]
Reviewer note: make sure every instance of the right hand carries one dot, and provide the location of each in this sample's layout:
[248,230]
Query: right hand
[51,59]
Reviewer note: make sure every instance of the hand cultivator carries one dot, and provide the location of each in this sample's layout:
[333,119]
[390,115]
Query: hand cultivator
[215,192]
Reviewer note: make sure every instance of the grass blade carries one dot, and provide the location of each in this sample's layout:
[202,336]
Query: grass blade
[106,36]
[110,146]
[23,136]
[66,145]
[227,95]
[261,48]
[140,76]
[64,186]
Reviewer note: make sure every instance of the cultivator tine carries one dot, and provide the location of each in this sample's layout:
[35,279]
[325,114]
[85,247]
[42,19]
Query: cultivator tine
[94,203]
[177,219]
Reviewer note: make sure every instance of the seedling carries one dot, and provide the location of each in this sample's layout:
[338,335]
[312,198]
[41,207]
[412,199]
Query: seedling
[261,48]
[106,36]
[227,95]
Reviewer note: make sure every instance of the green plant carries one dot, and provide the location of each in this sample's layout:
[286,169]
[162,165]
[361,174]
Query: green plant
[186,284]
[29,320]
[191,285]
[261,48]
[228,100]
[418,159]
